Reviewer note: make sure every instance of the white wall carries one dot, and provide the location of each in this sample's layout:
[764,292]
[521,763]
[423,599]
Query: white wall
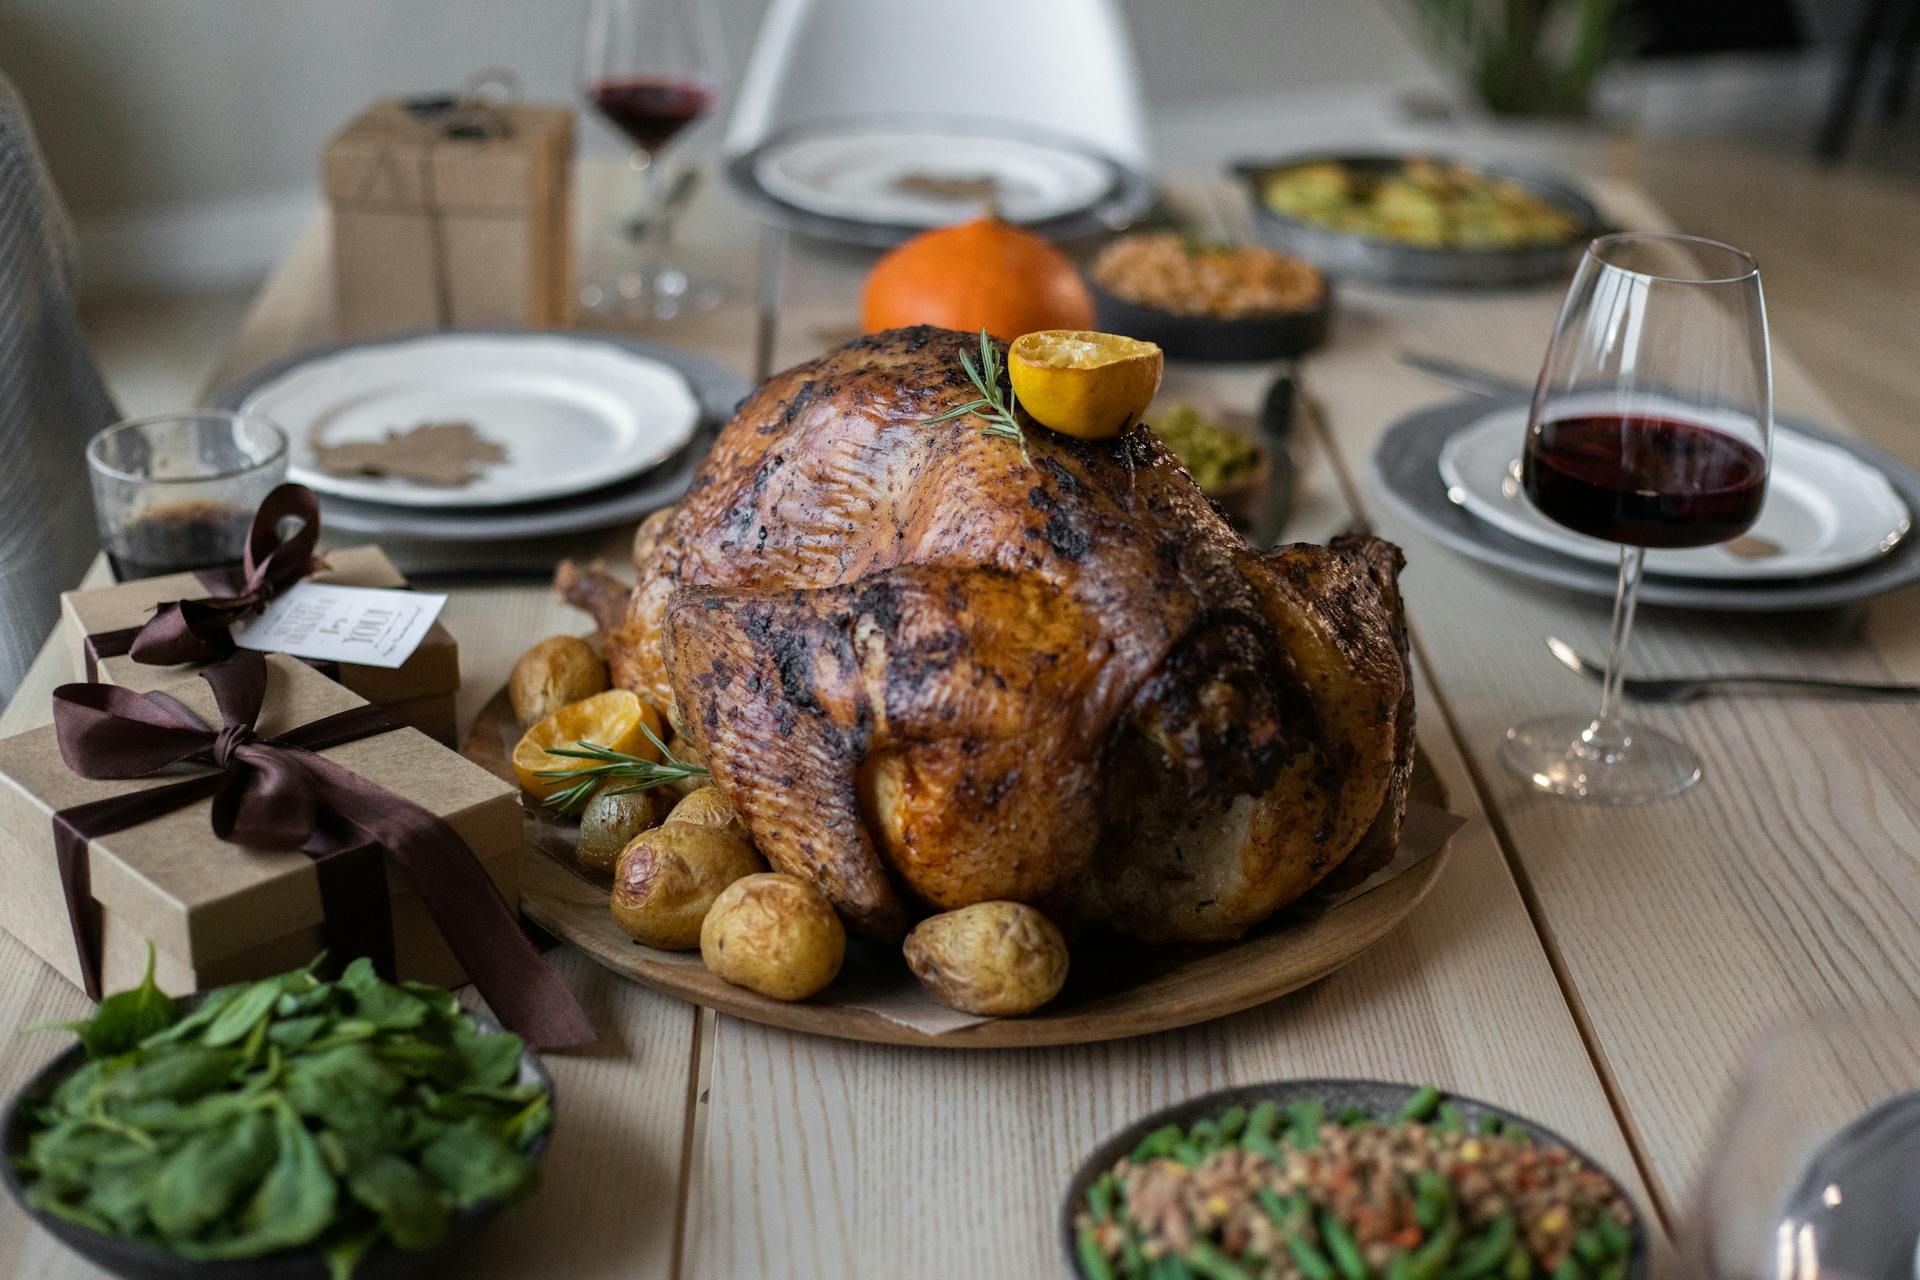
[185,134]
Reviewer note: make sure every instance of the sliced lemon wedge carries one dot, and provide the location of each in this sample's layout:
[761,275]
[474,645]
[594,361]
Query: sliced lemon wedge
[1079,383]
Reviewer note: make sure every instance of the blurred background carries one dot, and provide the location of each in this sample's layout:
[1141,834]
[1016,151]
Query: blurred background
[185,135]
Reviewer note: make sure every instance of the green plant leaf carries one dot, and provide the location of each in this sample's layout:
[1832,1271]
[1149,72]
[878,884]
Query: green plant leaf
[472,1164]
[238,1019]
[490,1060]
[201,1181]
[292,1206]
[122,1021]
[408,1205]
[381,1003]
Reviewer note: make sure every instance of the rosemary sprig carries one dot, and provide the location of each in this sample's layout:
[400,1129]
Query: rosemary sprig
[615,766]
[994,405]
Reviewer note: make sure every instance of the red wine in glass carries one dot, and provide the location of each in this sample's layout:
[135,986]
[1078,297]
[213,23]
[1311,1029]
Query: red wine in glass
[651,109]
[1645,480]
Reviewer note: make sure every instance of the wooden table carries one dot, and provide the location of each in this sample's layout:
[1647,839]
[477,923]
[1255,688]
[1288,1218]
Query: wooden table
[1603,970]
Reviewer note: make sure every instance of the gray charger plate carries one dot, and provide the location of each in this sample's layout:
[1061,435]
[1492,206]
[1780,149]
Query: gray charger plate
[719,391]
[1380,1097]
[1350,256]
[1124,203]
[1406,474]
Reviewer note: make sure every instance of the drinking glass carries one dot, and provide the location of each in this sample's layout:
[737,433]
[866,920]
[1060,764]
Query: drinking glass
[1814,1172]
[1651,426]
[178,491]
[650,69]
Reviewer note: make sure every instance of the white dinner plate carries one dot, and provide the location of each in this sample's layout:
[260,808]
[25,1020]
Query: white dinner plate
[858,175]
[572,413]
[1826,510]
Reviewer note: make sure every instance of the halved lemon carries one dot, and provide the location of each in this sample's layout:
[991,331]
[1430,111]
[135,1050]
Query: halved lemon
[1085,384]
[613,719]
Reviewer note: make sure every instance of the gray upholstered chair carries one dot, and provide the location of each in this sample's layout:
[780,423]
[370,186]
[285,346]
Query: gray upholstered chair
[51,402]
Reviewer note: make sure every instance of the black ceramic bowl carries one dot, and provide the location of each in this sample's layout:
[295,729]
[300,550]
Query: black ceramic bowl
[138,1261]
[1380,1097]
[1281,335]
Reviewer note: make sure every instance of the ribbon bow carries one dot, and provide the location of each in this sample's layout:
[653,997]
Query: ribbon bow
[278,793]
[202,630]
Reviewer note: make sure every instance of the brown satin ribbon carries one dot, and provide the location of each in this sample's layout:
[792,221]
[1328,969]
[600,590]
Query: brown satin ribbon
[278,793]
[202,630]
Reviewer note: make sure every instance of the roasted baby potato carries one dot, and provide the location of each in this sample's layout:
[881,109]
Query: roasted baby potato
[774,934]
[997,958]
[708,806]
[668,878]
[610,822]
[555,672]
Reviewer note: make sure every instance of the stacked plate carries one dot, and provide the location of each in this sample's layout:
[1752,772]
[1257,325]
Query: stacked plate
[875,183]
[592,430]
[1834,529]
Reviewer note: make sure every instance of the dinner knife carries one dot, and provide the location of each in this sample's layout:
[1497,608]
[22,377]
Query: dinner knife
[1464,376]
[1278,410]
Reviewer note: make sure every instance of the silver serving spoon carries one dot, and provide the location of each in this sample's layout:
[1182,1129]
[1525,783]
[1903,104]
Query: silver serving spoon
[1687,688]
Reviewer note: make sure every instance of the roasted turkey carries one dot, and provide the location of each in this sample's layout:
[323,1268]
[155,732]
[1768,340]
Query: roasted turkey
[931,670]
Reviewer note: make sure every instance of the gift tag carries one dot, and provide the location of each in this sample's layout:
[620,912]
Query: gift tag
[366,626]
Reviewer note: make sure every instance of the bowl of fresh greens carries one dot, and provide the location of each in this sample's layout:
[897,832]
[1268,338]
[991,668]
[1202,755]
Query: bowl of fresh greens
[291,1127]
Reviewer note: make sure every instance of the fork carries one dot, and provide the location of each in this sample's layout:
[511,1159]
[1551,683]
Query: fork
[1687,688]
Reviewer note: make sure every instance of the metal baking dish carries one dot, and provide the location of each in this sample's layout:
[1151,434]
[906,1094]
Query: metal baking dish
[1365,259]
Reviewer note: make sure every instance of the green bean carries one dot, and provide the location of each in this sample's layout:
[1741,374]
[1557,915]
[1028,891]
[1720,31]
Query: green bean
[1341,1245]
[1232,1121]
[1271,1205]
[1213,1264]
[1420,1105]
[1177,1268]
[1309,1259]
[1349,1116]
[1188,1154]
[1590,1248]
[1489,1126]
[1158,1143]
[1303,1129]
[1616,1237]
[1205,1135]
[1613,1269]
[1431,1258]
[1519,1264]
[1093,1263]
[1569,1269]
[1484,1252]
[1400,1265]
[1262,1121]
[1432,1198]
[1261,1145]
[1450,1120]
[1132,1263]
[1100,1198]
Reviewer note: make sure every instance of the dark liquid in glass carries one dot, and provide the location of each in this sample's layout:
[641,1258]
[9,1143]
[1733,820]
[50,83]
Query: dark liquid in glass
[179,537]
[651,109]
[1645,481]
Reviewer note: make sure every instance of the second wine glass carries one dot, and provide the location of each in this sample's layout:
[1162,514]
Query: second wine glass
[1651,426]
[650,68]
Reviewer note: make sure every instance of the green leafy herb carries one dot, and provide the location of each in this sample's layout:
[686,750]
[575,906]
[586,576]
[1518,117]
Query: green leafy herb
[290,1113]
[615,766]
[998,408]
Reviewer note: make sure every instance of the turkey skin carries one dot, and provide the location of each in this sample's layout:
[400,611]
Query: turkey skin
[932,669]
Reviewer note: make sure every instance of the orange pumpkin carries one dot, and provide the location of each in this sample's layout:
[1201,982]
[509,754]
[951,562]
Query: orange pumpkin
[980,274]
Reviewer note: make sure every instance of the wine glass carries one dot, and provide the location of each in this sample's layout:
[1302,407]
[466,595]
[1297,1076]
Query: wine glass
[1814,1170]
[1651,426]
[650,69]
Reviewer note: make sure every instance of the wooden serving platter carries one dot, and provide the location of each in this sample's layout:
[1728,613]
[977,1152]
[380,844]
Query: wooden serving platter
[1115,989]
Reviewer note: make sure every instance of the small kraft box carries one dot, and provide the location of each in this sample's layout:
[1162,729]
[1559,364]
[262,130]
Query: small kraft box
[420,692]
[219,912]
[449,215]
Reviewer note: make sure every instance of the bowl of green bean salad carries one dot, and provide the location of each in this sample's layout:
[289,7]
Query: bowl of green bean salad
[1346,1180]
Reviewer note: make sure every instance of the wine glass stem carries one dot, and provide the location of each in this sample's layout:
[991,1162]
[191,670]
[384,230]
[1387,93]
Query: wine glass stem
[643,232]
[1605,735]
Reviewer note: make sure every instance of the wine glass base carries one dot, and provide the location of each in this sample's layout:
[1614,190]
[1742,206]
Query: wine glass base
[662,295]
[1558,754]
